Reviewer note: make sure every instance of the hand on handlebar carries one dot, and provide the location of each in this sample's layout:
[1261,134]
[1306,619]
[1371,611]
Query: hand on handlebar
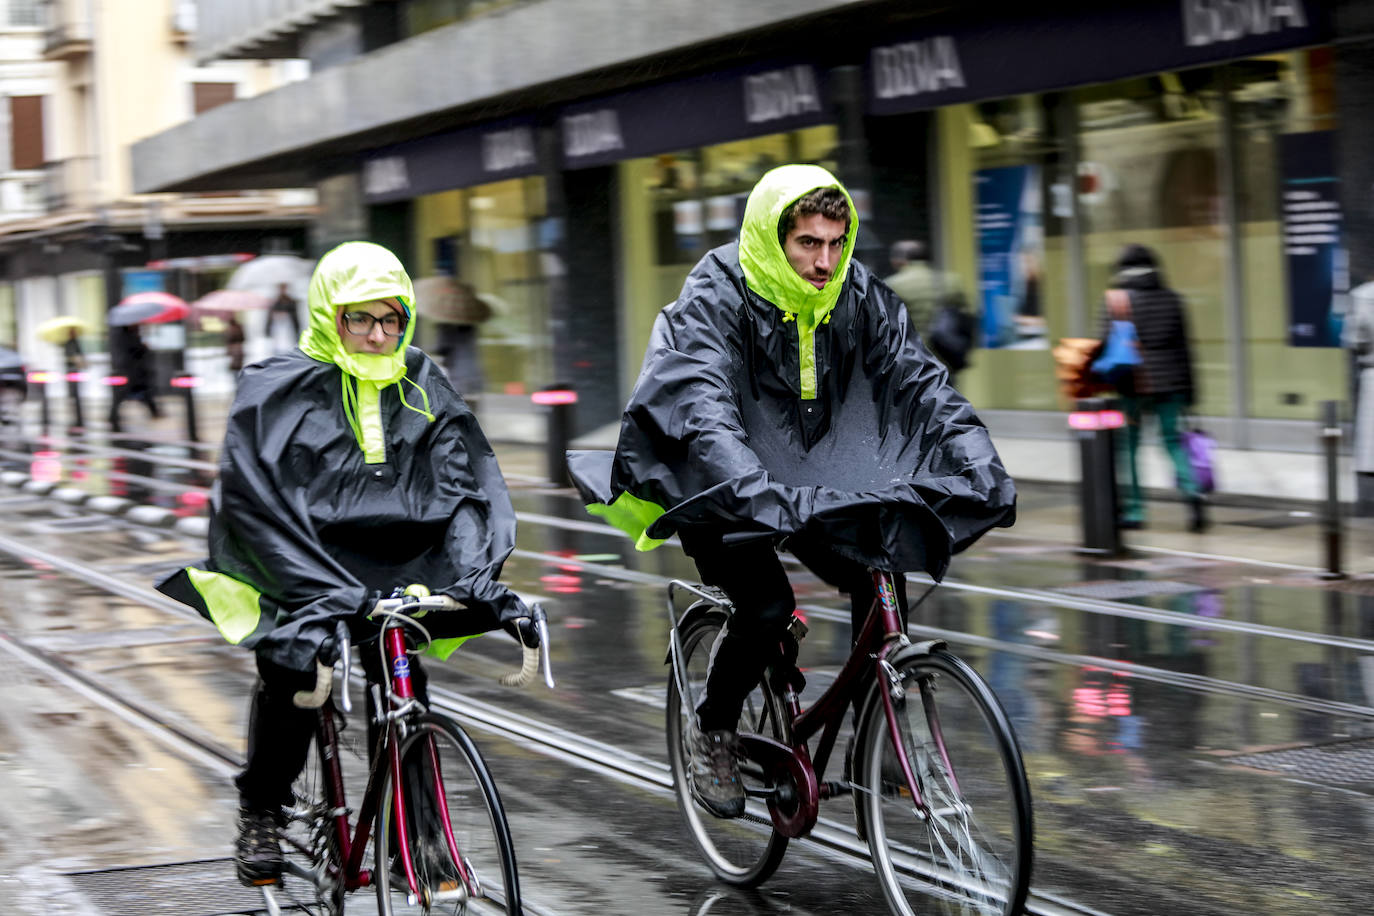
[524,629]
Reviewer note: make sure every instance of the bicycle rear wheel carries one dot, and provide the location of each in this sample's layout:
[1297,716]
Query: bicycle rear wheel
[973,854]
[310,839]
[742,851]
[485,867]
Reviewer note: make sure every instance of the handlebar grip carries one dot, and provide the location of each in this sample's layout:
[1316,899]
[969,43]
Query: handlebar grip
[533,658]
[529,668]
[314,699]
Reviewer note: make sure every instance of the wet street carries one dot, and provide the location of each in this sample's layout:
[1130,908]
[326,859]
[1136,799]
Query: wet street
[1198,730]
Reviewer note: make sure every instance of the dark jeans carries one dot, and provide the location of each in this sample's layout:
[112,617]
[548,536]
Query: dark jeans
[752,576]
[279,732]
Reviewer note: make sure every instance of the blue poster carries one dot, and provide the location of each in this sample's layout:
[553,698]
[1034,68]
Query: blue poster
[1311,237]
[1009,257]
[142,281]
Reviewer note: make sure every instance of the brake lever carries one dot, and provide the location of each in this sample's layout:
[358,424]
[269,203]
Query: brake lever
[542,629]
[346,654]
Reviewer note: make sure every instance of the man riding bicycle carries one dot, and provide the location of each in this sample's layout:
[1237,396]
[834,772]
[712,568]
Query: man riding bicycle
[785,393]
[348,465]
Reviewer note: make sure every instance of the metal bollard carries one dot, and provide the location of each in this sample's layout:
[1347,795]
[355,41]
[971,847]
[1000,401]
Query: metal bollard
[187,384]
[77,420]
[560,400]
[38,381]
[1095,423]
[1332,532]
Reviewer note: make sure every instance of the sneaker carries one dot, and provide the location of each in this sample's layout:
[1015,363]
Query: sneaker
[257,851]
[715,772]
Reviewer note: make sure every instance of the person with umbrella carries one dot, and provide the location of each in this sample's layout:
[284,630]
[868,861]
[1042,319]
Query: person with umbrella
[131,358]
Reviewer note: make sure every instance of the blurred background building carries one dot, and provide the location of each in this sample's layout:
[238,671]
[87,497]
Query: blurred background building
[82,81]
[572,159]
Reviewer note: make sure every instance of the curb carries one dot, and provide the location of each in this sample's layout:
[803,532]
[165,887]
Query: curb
[150,516]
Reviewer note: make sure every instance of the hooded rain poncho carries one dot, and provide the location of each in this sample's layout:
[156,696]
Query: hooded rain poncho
[343,475]
[766,404]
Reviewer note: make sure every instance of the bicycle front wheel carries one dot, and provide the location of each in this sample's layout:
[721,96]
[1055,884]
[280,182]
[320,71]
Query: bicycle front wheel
[972,854]
[449,795]
[742,851]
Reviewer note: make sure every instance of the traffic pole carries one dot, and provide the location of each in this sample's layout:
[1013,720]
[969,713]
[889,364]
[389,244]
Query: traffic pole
[1094,424]
[560,401]
[1332,533]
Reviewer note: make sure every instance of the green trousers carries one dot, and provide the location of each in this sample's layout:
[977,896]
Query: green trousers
[1169,410]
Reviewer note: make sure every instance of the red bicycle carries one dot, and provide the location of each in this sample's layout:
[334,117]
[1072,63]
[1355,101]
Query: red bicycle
[430,821]
[938,784]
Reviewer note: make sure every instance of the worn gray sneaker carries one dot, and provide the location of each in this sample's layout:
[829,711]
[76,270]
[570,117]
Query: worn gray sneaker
[715,772]
[257,850]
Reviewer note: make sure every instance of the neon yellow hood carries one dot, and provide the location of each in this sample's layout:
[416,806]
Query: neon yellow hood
[767,270]
[349,274]
[357,272]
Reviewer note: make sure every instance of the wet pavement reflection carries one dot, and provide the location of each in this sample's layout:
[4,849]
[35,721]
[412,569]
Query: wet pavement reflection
[1175,768]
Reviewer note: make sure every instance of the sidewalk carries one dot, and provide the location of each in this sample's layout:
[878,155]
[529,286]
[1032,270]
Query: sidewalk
[1267,508]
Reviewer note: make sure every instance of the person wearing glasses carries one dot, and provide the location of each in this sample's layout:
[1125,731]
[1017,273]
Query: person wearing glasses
[349,466]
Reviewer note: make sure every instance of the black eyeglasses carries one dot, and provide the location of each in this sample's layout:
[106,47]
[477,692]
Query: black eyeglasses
[362,323]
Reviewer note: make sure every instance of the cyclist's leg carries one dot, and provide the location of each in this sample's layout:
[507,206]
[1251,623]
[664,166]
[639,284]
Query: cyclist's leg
[279,737]
[752,576]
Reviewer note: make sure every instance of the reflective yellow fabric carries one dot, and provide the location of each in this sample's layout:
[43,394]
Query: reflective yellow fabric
[631,515]
[233,605]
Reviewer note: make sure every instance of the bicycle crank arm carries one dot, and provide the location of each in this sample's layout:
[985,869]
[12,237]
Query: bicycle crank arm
[270,900]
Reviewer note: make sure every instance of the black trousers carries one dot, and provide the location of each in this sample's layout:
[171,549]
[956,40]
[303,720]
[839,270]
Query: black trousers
[752,575]
[279,732]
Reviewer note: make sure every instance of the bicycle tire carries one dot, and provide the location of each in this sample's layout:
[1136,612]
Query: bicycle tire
[742,851]
[974,854]
[309,833]
[476,818]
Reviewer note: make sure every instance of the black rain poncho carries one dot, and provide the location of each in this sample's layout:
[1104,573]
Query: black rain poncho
[343,475]
[766,404]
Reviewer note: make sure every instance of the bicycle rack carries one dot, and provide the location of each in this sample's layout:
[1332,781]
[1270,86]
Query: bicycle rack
[675,643]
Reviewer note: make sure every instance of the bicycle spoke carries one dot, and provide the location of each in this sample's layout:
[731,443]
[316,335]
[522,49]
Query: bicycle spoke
[743,851]
[465,818]
[970,853]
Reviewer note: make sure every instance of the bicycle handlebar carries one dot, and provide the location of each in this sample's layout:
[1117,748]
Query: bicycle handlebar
[404,608]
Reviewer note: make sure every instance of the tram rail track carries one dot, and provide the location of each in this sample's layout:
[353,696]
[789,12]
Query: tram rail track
[833,839]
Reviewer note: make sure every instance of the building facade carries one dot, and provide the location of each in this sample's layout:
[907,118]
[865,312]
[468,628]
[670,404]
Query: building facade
[84,81]
[572,160]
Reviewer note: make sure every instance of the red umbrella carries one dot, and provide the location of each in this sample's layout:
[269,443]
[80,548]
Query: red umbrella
[227,301]
[148,308]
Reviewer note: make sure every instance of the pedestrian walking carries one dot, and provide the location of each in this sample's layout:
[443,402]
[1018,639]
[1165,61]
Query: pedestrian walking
[935,304]
[233,344]
[133,360]
[1161,385]
[286,309]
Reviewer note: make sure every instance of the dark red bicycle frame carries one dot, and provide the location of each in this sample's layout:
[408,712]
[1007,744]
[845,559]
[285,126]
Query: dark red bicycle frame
[878,639]
[352,849]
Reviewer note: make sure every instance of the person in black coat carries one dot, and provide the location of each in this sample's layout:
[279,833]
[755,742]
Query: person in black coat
[131,358]
[1162,385]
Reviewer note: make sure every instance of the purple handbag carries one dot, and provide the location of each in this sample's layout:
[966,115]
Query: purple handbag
[1201,449]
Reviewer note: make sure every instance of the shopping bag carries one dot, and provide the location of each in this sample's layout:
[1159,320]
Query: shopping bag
[1201,450]
[1120,355]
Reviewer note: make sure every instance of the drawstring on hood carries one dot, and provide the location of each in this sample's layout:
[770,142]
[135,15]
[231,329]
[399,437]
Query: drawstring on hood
[351,274]
[766,268]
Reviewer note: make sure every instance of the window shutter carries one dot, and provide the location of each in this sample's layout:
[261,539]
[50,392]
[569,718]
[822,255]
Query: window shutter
[212,95]
[26,132]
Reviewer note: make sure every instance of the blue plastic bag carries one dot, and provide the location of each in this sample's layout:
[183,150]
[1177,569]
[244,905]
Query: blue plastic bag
[1120,354]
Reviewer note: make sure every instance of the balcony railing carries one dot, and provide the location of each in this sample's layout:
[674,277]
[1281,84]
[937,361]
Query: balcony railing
[70,183]
[66,40]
